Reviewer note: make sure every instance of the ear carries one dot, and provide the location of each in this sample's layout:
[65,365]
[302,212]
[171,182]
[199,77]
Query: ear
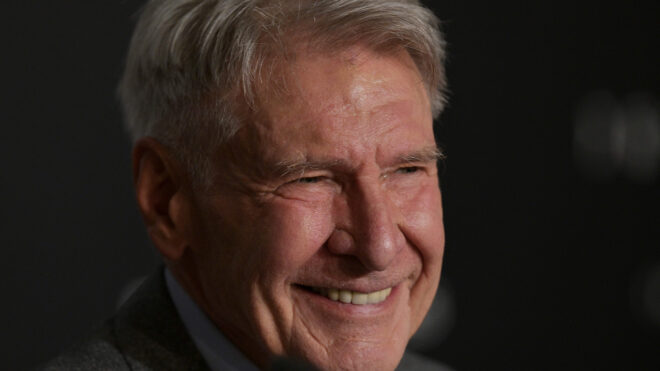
[160,190]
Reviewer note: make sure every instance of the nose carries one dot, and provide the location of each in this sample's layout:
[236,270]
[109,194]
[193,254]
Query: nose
[373,235]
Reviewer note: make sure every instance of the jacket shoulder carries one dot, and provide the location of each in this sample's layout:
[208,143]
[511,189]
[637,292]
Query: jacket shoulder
[99,351]
[145,334]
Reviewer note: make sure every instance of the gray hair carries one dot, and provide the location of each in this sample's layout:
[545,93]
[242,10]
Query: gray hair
[189,61]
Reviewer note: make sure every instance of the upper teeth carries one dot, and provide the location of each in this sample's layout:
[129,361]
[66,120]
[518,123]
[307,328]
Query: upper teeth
[354,297]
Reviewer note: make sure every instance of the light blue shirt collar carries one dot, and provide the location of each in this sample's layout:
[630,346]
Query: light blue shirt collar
[220,354]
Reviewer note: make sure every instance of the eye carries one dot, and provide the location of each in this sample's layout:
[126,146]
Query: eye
[408,169]
[309,179]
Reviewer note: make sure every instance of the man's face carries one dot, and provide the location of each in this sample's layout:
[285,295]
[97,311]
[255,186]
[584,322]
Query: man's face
[322,237]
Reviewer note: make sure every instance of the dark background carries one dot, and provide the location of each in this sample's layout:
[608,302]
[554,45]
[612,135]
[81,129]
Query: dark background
[553,245]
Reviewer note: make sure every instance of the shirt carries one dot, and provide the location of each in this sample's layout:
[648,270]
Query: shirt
[218,352]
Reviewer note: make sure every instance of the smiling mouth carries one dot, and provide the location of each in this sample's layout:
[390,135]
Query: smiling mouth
[351,297]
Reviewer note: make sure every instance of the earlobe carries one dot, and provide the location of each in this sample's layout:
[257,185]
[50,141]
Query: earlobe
[160,196]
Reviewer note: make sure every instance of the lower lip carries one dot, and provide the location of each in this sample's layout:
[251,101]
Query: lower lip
[366,310]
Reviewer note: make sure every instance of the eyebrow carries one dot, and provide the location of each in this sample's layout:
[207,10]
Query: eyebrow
[424,155]
[300,166]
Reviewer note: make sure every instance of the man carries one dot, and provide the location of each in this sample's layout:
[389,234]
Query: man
[285,167]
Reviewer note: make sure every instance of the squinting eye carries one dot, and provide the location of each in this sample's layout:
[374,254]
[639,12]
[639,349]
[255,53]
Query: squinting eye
[408,169]
[311,179]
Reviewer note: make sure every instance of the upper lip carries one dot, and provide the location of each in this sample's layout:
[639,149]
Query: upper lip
[366,283]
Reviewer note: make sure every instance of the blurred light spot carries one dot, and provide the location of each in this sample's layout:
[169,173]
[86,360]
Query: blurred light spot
[438,322]
[612,138]
[128,290]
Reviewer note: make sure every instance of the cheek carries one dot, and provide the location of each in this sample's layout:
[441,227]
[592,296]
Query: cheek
[423,223]
[268,249]
[292,232]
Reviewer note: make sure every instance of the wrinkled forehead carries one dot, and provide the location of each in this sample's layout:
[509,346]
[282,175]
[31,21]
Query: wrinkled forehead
[351,81]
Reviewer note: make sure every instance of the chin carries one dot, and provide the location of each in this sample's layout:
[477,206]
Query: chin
[359,356]
[382,353]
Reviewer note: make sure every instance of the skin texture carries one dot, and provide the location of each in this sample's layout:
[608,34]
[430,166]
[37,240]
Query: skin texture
[332,183]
